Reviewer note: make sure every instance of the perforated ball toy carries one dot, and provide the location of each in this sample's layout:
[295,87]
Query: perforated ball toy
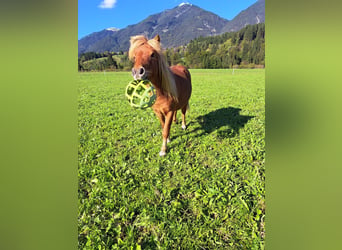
[141,94]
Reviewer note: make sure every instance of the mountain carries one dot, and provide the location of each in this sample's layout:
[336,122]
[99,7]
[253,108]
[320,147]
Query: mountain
[89,42]
[176,27]
[252,15]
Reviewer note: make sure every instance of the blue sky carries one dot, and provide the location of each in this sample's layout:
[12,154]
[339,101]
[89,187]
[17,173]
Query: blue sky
[96,15]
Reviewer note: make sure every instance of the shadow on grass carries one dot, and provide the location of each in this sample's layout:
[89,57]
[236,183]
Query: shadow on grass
[227,121]
[225,117]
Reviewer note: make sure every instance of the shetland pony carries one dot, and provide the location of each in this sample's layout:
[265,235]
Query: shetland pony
[173,85]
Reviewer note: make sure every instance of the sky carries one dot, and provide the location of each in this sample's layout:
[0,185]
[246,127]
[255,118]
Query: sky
[96,15]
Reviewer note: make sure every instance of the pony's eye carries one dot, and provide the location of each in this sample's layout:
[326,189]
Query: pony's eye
[153,55]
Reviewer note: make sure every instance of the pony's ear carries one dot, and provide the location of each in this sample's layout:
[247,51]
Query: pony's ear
[157,38]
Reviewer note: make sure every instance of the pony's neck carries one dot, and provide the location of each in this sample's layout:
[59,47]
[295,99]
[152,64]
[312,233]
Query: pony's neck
[164,84]
[156,81]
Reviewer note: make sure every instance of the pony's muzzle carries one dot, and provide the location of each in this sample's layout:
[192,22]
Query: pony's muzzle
[139,73]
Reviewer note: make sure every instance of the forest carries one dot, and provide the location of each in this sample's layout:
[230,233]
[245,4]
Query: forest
[242,49]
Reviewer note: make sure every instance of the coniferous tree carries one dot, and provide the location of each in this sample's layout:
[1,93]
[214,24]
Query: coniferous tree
[110,61]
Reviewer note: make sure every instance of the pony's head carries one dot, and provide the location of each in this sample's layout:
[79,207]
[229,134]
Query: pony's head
[149,63]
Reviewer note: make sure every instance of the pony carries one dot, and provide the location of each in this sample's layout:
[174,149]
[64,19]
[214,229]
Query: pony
[172,84]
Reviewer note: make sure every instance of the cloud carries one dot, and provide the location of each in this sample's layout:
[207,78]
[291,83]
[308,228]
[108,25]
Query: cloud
[107,4]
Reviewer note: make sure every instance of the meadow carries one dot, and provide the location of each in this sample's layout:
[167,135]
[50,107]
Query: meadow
[208,192]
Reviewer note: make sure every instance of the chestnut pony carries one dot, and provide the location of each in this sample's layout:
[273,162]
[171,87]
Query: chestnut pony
[173,85]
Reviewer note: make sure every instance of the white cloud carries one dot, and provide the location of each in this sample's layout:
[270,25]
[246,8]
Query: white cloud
[107,4]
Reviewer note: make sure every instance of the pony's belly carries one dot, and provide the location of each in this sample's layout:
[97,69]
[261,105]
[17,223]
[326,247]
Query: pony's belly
[164,105]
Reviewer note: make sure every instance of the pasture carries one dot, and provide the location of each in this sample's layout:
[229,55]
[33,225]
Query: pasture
[208,192]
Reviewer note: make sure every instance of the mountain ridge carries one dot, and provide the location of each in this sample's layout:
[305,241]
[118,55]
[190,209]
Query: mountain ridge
[176,27]
[252,15]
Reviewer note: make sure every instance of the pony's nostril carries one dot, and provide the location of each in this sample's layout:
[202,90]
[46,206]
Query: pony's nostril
[138,73]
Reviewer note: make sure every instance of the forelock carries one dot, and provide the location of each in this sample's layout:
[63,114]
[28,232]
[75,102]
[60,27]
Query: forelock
[136,41]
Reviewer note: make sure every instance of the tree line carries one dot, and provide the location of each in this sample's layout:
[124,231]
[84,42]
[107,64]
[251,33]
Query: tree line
[242,49]
[93,61]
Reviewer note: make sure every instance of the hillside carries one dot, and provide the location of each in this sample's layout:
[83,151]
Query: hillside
[243,49]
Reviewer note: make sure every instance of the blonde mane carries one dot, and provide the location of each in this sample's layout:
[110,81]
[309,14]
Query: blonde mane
[167,81]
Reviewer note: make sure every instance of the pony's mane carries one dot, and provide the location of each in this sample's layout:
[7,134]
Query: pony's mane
[167,81]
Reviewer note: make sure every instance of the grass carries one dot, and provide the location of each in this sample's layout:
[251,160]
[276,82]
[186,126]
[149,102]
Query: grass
[208,192]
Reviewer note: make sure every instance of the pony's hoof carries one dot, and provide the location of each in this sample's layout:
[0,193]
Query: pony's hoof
[162,153]
[184,127]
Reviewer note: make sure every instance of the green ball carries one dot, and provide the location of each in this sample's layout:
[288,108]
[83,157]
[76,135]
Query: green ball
[141,94]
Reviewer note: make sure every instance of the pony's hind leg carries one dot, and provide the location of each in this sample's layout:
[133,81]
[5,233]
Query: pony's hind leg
[184,109]
[175,117]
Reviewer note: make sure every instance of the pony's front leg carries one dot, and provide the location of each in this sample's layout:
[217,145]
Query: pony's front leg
[166,132]
[161,118]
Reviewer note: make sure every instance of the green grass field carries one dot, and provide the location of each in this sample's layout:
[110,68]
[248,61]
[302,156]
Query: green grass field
[208,192]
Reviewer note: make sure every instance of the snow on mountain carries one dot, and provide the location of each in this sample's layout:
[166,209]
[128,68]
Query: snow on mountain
[184,3]
[113,29]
